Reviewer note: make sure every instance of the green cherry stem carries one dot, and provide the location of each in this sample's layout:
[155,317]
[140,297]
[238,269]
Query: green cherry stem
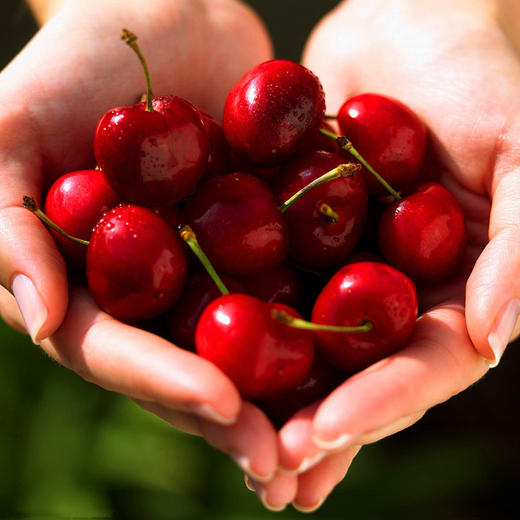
[298,323]
[30,204]
[131,40]
[346,145]
[343,170]
[329,213]
[188,235]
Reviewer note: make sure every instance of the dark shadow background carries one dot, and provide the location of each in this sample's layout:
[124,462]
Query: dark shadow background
[71,450]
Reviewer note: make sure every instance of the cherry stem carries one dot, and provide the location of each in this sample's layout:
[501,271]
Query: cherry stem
[346,145]
[131,40]
[330,116]
[188,235]
[290,320]
[30,204]
[343,170]
[329,213]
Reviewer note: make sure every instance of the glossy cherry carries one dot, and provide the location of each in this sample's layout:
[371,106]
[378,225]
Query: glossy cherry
[219,153]
[365,291]
[424,234]
[261,355]
[390,137]
[271,110]
[136,264]
[75,202]
[238,224]
[324,224]
[200,290]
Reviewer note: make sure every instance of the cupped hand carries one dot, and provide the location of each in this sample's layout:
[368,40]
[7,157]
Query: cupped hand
[55,91]
[456,65]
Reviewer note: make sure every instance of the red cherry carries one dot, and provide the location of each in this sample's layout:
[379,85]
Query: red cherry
[271,110]
[153,157]
[75,202]
[136,265]
[324,224]
[219,156]
[199,292]
[424,234]
[261,355]
[238,224]
[365,291]
[390,137]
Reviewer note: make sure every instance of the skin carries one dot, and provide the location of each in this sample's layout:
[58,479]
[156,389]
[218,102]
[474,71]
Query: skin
[46,130]
[457,65]
[453,62]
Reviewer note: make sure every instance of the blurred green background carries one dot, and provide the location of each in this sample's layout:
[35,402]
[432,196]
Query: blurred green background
[71,450]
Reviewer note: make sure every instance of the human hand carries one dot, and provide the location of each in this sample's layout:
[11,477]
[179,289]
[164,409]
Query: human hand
[55,91]
[456,65]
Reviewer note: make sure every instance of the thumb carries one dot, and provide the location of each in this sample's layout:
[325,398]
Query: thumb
[493,289]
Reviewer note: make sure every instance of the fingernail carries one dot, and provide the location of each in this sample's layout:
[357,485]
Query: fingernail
[262,495]
[248,483]
[337,444]
[306,464]
[208,412]
[31,306]
[244,464]
[308,509]
[503,329]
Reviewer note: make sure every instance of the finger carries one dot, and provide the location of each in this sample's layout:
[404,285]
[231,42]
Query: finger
[250,440]
[139,364]
[315,485]
[296,451]
[30,264]
[276,494]
[10,312]
[439,362]
[493,289]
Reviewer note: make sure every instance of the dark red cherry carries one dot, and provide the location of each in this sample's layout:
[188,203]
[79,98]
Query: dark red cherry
[266,173]
[199,292]
[136,265]
[424,234]
[365,291]
[271,110]
[261,355]
[219,155]
[238,224]
[324,224]
[390,137]
[152,158]
[320,381]
[283,284]
[75,202]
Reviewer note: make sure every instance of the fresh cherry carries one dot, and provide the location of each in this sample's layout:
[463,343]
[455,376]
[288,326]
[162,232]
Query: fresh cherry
[152,153]
[261,355]
[75,202]
[424,234]
[136,265]
[238,224]
[390,137]
[219,154]
[324,224]
[271,110]
[365,292]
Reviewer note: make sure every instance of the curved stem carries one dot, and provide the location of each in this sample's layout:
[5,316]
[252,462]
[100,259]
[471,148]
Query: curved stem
[346,145]
[343,170]
[188,235]
[329,213]
[131,40]
[30,204]
[298,323]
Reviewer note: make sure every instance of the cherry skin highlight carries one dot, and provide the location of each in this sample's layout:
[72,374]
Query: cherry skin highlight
[152,158]
[390,137]
[424,234]
[136,265]
[271,110]
[75,202]
[359,292]
[238,224]
[316,239]
[258,353]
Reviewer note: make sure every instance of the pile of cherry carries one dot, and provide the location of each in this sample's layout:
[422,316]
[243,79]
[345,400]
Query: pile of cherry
[285,226]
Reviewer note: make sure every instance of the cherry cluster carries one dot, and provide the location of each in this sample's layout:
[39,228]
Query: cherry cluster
[289,220]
